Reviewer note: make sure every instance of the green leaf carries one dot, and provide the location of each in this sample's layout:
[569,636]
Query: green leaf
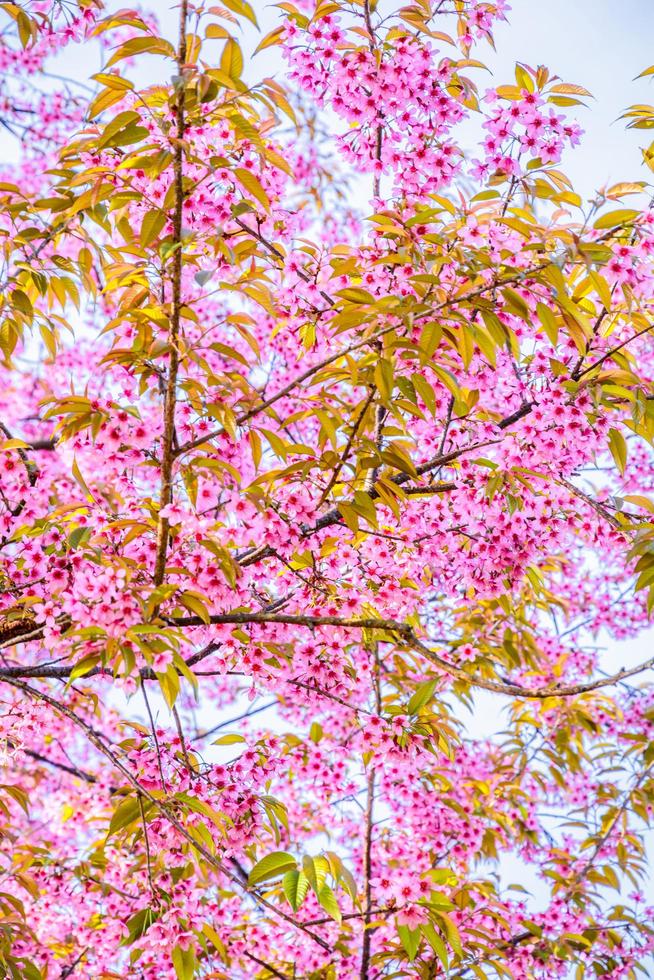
[229,739]
[296,885]
[84,665]
[614,218]
[243,8]
[316,869]
[452,933]
[78,535]
[28,971]
[151,226]
[430,338]
[410,939]
[548,319]
[436,943]
[231,60]
[22,302]
[141,45]
[125,813]
[395,456]
[328,901]
[215,939]
[184,962]
[618,447]
[17,794]
[253,186]
[384,379]
[138,925]
[77,473]
[353,294]
[169,684]
[421,696]
[271,866]
[515,303]
[195,604]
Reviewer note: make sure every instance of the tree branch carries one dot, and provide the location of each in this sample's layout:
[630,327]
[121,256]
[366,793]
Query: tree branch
[404,632]
[161,806]
[168,441]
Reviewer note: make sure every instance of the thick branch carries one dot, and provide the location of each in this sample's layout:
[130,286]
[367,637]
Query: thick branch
[402,631]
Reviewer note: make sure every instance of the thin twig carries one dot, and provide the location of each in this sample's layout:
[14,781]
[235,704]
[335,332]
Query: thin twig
[162,807]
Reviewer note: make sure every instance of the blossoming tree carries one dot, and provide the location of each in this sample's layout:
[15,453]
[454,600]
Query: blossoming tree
[318,434]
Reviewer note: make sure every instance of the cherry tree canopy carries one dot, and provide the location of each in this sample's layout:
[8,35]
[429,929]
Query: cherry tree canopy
[318,432]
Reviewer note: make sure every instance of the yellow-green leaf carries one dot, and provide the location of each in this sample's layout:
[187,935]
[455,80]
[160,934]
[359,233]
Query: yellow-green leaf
[271,866]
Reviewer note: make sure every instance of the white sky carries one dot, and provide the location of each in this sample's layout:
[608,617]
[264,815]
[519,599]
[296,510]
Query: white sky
[600,44]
